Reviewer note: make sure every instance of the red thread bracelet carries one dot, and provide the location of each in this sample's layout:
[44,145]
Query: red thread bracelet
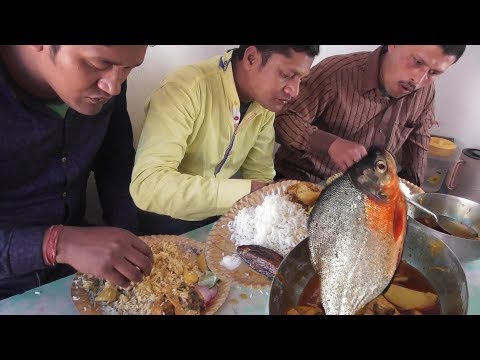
[51,243]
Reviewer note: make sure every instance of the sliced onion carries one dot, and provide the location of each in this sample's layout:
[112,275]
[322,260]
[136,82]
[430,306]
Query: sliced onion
[206,294]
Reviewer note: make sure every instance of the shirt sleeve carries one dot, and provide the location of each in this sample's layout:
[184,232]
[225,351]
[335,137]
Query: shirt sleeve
[113,168]
[415,148]
[293,125]
[20,249]
[259,162]
[157,183]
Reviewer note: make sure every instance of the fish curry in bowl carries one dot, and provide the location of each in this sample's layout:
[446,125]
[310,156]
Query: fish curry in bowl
[429,281]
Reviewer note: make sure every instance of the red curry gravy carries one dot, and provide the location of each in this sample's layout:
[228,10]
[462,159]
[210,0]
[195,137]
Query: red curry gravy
[406,276]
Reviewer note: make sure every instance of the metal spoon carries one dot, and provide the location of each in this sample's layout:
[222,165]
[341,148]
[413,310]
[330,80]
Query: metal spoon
[450,225]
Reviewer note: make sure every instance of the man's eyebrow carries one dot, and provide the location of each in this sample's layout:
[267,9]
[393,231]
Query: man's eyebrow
[111,62]
[423,60]
[297,73]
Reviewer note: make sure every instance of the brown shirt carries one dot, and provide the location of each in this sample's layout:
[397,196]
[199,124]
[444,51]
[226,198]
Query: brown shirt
[341,97]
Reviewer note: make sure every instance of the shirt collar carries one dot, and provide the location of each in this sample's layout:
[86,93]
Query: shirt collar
[226,60]
[371,71]
[225,66]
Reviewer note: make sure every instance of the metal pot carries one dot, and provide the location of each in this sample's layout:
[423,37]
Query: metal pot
[455,207]
[427,254]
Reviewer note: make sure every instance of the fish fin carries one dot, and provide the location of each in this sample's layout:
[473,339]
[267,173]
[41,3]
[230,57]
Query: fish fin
[400,225]
[400,219]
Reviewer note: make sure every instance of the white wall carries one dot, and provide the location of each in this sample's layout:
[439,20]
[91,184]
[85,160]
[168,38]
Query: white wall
[458,100]
[329,50]
[458,90]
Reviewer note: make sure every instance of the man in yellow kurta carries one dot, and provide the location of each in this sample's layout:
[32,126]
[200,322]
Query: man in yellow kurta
[205,123]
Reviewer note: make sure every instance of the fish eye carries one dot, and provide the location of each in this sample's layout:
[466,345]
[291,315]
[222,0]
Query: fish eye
[381,166]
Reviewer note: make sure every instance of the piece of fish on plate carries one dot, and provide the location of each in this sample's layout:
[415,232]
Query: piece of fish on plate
[356,233]
[261,259]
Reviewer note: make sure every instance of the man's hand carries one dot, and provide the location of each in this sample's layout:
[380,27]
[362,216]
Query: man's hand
[345,153]
[110,253]
[257,185]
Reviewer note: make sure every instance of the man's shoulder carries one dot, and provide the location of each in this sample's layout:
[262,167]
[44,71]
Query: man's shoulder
[194,73]
[343,61]
[334,64]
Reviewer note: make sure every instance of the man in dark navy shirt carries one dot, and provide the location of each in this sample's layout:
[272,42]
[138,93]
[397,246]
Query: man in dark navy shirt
[63,114]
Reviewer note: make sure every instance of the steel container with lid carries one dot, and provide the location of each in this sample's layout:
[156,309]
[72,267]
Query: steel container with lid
[464,177]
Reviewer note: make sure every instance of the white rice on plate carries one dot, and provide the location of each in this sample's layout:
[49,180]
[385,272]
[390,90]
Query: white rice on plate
[277,224]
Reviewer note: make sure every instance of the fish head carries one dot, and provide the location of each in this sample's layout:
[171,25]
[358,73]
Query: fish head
[376,175]
[385,206]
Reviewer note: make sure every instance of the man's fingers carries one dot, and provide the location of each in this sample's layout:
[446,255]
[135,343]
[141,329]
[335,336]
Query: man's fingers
[130,271]
[116,278]
[343,167]
[143,262]
[349,163]
[143,248]
[358,158]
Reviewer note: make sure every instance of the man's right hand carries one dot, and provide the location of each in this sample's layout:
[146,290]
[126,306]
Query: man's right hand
[257,185]
[345,153]
[110,253]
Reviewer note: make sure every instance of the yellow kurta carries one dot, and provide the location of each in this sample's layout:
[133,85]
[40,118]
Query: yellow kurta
[188,128]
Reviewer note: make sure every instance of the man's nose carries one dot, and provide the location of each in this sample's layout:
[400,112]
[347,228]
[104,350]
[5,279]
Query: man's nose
[293,87]
[419,76]
[111,83]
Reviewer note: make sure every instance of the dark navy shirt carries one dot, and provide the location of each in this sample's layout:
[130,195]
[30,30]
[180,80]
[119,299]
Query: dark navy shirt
[45,161]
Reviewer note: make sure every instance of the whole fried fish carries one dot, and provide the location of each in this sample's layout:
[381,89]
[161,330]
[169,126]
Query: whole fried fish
[356,232]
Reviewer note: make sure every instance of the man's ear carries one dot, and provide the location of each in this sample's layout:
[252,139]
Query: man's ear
[391,47]
[252,56]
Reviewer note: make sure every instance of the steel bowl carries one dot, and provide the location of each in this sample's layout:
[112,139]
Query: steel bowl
[457,208]
[429,255]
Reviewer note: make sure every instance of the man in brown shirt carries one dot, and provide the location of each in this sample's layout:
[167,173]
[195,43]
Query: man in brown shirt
[351,102]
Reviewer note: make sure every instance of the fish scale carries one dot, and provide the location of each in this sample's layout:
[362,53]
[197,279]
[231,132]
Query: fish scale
[352,242]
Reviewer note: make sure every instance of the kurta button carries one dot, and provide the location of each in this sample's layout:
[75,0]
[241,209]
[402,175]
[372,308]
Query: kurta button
[64,194]
[64,159]
[380,131]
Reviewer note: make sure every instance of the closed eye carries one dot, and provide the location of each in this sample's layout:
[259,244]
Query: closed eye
[98,67]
